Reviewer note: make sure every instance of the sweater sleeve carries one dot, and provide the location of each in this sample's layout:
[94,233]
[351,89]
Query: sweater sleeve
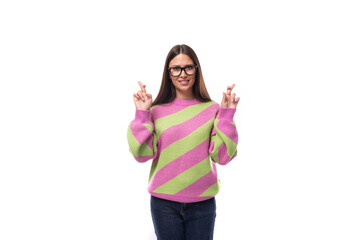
[224,137]
[141,136]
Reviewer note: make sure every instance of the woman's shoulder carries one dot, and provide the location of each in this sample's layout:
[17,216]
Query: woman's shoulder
[213,103]
[161,105]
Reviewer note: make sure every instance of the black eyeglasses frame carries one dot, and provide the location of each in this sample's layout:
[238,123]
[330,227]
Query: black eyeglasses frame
[183,69]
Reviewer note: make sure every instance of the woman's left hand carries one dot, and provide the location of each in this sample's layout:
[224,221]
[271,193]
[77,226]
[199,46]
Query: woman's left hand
[229,100]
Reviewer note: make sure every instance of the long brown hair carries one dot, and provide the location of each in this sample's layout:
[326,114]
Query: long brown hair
[167,92]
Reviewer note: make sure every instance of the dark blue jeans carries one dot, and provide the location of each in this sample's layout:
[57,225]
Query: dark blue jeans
[183,221]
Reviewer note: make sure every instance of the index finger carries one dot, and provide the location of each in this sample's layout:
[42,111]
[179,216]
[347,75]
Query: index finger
[142,86]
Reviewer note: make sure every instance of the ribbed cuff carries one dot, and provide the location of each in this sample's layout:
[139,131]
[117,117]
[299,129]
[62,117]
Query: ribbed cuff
[227,113]
[143,116]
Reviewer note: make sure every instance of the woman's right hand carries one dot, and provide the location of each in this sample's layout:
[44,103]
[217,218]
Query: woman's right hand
[142,99]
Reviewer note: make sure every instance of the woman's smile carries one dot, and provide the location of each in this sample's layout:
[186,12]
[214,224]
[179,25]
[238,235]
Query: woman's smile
[184,82]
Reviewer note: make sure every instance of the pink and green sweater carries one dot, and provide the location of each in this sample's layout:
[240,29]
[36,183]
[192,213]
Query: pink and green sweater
[185,139]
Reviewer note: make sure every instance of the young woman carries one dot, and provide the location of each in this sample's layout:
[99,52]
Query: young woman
[186,134]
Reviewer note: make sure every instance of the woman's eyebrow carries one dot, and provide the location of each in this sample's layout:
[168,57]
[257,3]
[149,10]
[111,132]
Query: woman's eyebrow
[187,65]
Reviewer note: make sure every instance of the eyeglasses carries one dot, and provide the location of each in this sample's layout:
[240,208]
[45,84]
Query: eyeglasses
[176,71]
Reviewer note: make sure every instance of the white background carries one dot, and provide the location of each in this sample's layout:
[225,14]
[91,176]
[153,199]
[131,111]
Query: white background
[68,70]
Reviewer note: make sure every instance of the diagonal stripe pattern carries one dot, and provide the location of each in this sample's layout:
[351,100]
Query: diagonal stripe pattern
[185,141]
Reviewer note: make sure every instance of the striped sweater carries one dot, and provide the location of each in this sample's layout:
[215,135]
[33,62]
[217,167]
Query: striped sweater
[185,138]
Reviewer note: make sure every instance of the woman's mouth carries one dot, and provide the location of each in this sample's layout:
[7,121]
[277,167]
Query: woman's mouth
[184,82]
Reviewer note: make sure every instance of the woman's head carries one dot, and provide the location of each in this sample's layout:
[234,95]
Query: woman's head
[182,75]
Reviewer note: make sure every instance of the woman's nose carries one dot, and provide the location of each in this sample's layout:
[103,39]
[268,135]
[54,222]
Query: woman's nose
[183,74]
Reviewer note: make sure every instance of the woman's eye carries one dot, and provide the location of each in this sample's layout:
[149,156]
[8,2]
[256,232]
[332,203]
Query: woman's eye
[176,69]
[189,68]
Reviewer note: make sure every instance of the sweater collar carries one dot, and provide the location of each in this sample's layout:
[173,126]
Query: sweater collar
[184,102]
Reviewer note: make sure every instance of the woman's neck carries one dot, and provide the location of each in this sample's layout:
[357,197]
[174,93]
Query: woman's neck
[184,96]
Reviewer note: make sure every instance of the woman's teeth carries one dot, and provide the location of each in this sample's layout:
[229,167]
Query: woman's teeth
[184,82]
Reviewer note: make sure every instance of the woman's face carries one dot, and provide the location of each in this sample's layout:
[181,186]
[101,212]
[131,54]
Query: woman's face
[183,83]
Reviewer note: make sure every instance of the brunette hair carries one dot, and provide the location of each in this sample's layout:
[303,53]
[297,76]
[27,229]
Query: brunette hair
[167,92]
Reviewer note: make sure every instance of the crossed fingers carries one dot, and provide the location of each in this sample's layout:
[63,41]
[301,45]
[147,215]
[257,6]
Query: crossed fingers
[230,96]
[142,87]
[142,93]
[229,89]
